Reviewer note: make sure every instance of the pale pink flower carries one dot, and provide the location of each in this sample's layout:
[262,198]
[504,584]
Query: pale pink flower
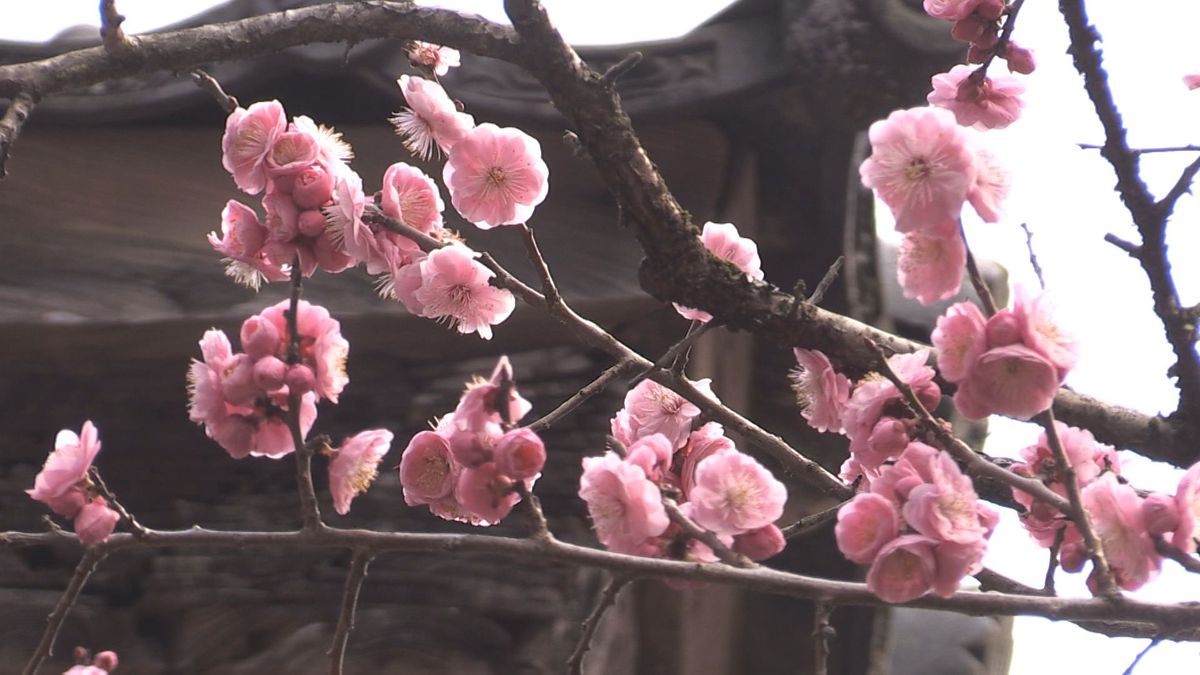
[867,402]
[496,176]
[904,569]
[57,485]
[241,242]
[993,103]
[431,120]
[1192,81]
[653,454]
[1041,333]
[864,525]
[954,561]
[1187,500]
[411,197]
[480,402]
[1014,381]
[723,241]
[454,288]
[956,10]
[354,467]
[625,507]
[921,167]
[821,391]
[292,152]
[993,181]
[765,542]
[958,340]
[331,149]
[471,442]
[654,409]
[250,133]
[427,471]
[437,58]
[520,454]
[706,441]
[1116,513]
[888,439]
[485,493]
[945,507]
[929,267]
[272,437]
[1160,513]
[733,493]
[95,521]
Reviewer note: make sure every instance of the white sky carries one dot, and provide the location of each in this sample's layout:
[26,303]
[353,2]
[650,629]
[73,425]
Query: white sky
[1062,192]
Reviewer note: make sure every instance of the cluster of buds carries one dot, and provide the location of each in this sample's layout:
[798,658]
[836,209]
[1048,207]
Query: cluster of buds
[719,488]
[242,399]
[921,527]
[473,466]
[65,487]
[977,22]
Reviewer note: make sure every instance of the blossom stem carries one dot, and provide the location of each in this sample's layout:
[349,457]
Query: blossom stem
[608,597]
[1002,43]
[209,83]
[1168,551]
[693,530]
[45,648]
[108,495]
[1078,514]
[345,624]
[614,372]
[310,512]
[1052,565]
[977,281]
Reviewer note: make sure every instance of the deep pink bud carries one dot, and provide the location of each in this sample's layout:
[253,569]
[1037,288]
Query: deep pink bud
[486,492]
[106,660]
[259,337]
[313,187]
[1003,329]
[311,223]
[520,454]
[765,542]
[1020,59]
[269,373]
[978,54]
[237,382]
[95,522]
[990,9]
[971,28]
[300,379]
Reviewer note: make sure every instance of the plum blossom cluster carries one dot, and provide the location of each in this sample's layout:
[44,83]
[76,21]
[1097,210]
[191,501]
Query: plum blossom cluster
[723,241]
[717,486]
[925,167]
[65,487]
[921,527]
[871,413]
[101,664]
[1009,364]
[473,465]
[977,22]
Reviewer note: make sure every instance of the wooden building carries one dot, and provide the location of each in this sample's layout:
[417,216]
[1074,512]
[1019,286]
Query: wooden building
[107,283]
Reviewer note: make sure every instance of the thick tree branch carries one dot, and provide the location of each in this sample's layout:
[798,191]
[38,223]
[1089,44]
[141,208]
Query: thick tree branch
[18,112]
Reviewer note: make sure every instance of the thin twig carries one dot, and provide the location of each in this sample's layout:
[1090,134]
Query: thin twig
[108,495]
[45,647]
[694,531]
[310,511]
[1052,565]
[620,68]
[1146,151]
[1002,43]
[822,633]
[1186,561]
[674,354]
[18,112]
[209,83]
[587,630]
[831,274]
[1181,187]
[549,288]
[345,624]
[1095,547]
[1137,659]
[111,34]
[616,371]
[541,529]
[977,281]
[812,523]
[1033,259]
[1129,247]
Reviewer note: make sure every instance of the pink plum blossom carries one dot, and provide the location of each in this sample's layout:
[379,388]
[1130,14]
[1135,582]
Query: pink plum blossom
[427,471]
[322,346]
[821,391]
[921,167]
[496,176]
[354,467]
[625,507]
[331,149]
[703,442]
[241,242]
[1116,513]
[930,268]
[956,10]
[1160,513]
[864,525]
[653,409]
[765,542]
[954,561]
[481,404]
[1014,381]
[485,493]
[1187,501]
[653,454]
[95,521]
[411,197]
[58,484]
[733,493]
[431,121]
[520,454]
[250,133]
[292,152]
[959,340]
[869,399]
[993,181]
[1192,81]
[454,287]
[723,241]
[1041,333]
[993,103]
[437,58]
[904,569]
[945,507]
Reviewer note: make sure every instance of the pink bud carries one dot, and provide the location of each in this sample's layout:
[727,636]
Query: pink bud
[106,660]
[237,382]
[313,187]
[95,522]
[970,29]
[1072,556]
[269,373]
[990,9]
[978,54]
[1003,329]
[260,337]
[300,379]
[1160,513]
[520,454]
[486,492]
[987,41]
[311,223]
[765,542]
[1020,60]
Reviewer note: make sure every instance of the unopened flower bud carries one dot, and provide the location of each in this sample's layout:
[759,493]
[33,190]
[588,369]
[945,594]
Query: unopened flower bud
[313,187]
[1020,59]
[260,337]
[106,660]
[300,379]
[311,223]
[765,542]
[1160,513]
[520,454]
[270,373]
